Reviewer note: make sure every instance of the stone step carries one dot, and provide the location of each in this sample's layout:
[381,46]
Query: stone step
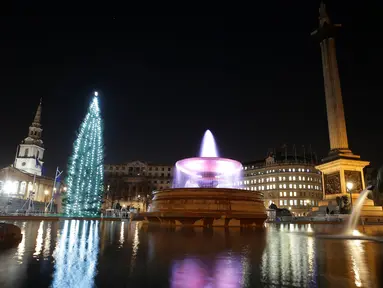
[372,208]
[371,213]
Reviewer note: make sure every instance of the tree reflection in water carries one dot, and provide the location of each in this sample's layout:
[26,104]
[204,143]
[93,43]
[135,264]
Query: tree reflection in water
[76,254]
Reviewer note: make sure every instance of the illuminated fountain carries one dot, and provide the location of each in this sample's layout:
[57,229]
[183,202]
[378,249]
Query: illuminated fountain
[359,211]
[208,170]
[206,192]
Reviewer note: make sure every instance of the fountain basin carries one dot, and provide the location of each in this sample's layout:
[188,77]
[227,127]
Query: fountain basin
[207,206]
[210,171]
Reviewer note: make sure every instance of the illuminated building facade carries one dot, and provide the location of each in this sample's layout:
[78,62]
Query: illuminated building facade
[24,178]
[132,183]
[18,184]
[288,182]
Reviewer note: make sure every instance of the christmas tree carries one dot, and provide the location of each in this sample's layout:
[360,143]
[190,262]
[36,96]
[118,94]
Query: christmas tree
[86,167]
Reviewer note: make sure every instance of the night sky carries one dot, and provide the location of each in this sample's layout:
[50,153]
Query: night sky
[252,75]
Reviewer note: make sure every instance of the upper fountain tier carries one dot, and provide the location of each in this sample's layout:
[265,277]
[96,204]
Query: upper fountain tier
[209,170]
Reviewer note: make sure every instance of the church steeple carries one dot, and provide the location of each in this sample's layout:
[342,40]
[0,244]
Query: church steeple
[35,130]
[37,119]
[30,152]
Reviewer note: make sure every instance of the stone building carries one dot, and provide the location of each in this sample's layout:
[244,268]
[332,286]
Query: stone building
[290,182]
[15,183]
[24,178]
[131,184]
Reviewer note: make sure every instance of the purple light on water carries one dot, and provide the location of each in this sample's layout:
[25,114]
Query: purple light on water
[208,146]
[194,273]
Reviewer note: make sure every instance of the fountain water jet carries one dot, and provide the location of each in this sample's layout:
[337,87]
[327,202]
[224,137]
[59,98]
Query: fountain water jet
[208,146]
[351,231]
[356,210]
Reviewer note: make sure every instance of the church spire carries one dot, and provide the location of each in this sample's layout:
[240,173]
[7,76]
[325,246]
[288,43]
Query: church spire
[35,130]
[30,152]
[37,119]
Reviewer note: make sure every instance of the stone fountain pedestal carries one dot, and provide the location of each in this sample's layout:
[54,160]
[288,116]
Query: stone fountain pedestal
[207,207]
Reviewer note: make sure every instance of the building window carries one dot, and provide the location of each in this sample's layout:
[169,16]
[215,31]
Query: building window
[26,152]
[291,193]
[284,194]
[291,202]
[280,194]
[23,187]
[295,202]
[285,202]
[280,202]
[295,194]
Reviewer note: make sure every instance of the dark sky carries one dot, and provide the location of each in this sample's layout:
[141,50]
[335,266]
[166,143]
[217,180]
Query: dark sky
[252,75]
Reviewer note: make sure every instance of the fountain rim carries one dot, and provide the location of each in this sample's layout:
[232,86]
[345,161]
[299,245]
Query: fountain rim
[192,172]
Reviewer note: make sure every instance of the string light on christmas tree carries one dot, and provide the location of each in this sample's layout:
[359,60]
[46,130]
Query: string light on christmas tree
[85,173]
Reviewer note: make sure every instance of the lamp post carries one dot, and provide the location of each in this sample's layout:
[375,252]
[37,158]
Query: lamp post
[45,198]
[349,186]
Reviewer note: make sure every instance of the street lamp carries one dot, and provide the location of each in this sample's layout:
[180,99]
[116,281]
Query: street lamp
[45,198]
[349,186]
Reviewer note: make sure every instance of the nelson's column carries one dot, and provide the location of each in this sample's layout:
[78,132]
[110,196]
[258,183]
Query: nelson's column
[341,166]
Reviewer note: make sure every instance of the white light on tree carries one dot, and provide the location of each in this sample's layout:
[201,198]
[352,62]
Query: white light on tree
[85,170]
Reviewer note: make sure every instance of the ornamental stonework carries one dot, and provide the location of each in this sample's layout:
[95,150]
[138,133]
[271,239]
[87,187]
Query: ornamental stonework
[332,183]
[355,178]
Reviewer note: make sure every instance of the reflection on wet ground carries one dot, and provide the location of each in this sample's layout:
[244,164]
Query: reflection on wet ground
[77,253]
